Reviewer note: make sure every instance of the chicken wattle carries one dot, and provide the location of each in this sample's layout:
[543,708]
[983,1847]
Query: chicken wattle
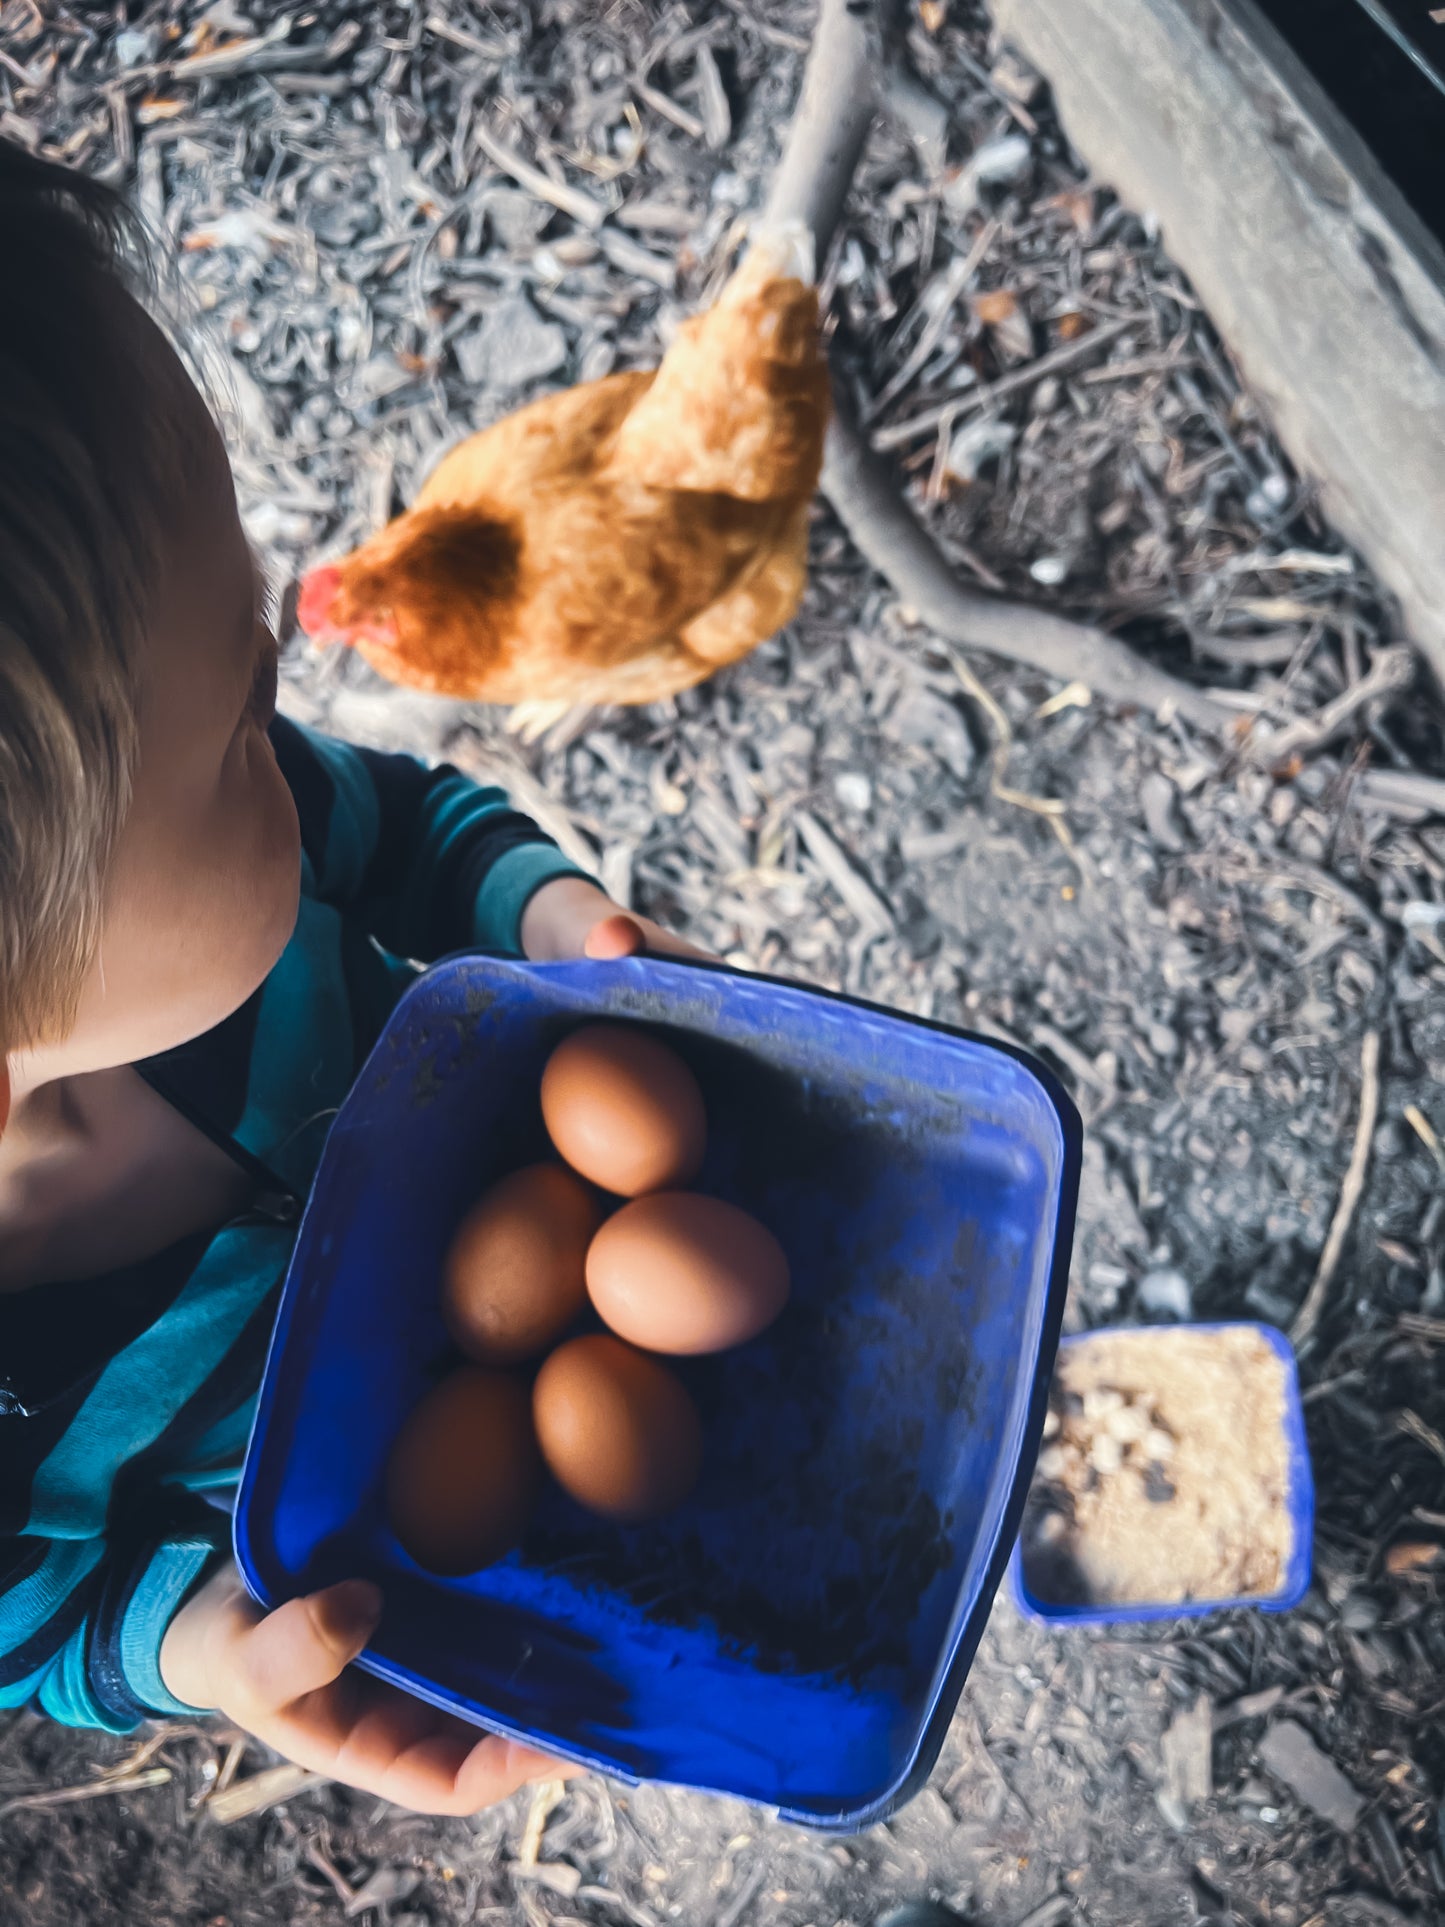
[317,600]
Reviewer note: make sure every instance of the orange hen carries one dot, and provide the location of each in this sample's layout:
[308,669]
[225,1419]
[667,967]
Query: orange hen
[614,543]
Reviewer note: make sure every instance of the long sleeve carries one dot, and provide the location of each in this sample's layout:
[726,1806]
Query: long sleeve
[125,1399]
[82,1620]
[427,860]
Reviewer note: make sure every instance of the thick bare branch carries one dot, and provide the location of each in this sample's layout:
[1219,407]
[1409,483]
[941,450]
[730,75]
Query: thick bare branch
[870,506]
[847,62]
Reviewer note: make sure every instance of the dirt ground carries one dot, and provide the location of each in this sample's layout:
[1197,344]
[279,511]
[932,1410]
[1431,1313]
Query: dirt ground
[1202,953]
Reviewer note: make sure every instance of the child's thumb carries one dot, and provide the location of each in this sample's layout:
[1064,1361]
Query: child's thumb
[306,1643]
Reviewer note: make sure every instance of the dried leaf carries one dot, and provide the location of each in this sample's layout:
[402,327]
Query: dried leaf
[1411,1555]
[995,306]
[547,1796]
[1078,204]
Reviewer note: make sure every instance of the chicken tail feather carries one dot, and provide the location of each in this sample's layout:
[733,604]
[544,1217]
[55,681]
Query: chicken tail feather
[741,400]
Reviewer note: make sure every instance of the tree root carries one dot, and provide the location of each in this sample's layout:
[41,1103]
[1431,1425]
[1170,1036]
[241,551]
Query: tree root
[852,75]
[853,52]
[889,535]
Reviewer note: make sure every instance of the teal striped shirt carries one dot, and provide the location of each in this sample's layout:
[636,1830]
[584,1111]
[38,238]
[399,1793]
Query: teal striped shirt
[125,1400]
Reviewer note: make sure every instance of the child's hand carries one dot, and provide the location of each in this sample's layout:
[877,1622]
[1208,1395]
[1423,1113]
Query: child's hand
[284,1676]
[571,917]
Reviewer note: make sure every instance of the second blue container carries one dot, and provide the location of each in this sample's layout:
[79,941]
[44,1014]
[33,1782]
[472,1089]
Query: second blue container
[797,1634]
[1299,1502]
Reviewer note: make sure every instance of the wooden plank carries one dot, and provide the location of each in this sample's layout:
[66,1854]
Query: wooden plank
[1325,285]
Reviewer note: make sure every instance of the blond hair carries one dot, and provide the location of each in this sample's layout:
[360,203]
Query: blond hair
[79,485]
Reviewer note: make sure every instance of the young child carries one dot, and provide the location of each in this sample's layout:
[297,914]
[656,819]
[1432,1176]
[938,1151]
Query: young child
[206,914]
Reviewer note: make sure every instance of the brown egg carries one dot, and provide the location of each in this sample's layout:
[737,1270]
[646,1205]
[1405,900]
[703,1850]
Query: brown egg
[679,1273]
[624,1110]
[465,1472]
[514,1278]
[617,1428]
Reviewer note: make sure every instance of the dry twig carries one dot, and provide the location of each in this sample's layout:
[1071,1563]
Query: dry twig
[1403,792]
[1048,807]
[1303,1329]
[1392,670]
[64,1796]
[850,55]
[857,894]
[547,1796]
[571,200]
[1425,1131]
[1058,361]
[259,1793]
[230,1766]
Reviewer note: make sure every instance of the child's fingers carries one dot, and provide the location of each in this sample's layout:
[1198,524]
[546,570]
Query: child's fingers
[303,1645]
[435,1762]
[433,1776]
[496,1768]
[384,1742]
[625,936]
[662,943]
[386,1726]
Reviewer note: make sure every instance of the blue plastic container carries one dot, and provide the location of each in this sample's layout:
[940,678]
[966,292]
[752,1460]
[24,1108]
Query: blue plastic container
[797,1634]
[1299,1502]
